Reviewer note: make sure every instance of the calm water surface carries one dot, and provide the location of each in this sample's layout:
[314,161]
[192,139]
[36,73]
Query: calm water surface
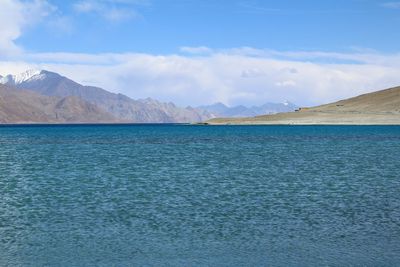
[179,195]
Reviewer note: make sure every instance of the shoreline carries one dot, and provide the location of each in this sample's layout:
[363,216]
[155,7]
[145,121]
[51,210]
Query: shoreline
[313,118]
[192,124]
[88,124]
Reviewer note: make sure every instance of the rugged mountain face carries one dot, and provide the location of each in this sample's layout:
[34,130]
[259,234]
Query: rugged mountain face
[120,106]
[24,106]
[221,110]
[381,107]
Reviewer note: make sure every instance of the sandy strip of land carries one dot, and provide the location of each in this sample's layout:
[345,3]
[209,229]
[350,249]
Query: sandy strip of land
[313,118]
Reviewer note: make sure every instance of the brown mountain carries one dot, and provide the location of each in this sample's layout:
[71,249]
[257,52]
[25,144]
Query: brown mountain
[24,106]
[381,107]
[120,106]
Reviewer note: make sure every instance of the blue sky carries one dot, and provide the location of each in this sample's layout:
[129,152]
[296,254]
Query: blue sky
[196,52]
[160,26]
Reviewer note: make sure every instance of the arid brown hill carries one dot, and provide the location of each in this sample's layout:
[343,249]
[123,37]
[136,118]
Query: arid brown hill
[24,106]
[381,107]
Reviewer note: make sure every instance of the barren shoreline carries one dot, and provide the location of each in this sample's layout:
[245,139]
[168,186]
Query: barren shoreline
[377,108]
[314,118]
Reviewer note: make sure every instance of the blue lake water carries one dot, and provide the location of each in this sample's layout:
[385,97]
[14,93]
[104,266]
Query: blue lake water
[181,195]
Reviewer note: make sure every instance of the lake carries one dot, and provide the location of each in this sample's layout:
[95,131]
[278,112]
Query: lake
[186,195]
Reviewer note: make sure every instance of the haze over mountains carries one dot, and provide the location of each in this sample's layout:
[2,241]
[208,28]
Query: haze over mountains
[221,110]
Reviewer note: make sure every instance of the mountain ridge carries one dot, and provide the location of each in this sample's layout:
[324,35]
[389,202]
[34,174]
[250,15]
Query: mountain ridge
[120,106]
[25,106]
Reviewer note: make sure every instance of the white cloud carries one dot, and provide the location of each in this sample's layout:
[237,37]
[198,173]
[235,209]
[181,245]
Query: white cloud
[15,16]
[287,83]
[86,6]
[198,50]
[127,2]
[229,77]
[392,5]
[252,73]
[112,10]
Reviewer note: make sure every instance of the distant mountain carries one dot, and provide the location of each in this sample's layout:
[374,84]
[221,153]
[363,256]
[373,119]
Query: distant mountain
[24,106]
[120,106]
[221,110]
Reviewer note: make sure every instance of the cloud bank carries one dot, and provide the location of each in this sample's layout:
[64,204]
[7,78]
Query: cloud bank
[231,76]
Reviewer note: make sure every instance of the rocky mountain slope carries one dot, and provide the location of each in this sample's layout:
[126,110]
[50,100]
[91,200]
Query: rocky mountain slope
[24,106]
[120,106]
[381,107]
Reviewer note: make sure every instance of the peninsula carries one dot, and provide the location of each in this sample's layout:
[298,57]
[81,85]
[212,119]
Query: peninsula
[377,108]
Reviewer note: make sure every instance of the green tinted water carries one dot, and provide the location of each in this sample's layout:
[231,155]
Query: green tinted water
[177,195]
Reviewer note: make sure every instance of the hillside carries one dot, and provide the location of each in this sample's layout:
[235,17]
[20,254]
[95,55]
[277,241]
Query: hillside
[381,107]
[24,106]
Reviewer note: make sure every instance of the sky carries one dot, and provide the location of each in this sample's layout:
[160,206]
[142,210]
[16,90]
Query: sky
[196,52]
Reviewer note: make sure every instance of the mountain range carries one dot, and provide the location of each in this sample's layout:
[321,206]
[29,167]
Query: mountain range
[221,110]
[112,107]
[40,96]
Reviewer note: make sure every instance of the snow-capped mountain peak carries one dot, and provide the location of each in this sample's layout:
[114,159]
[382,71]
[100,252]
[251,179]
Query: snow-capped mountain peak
[28,75]
[25,76]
